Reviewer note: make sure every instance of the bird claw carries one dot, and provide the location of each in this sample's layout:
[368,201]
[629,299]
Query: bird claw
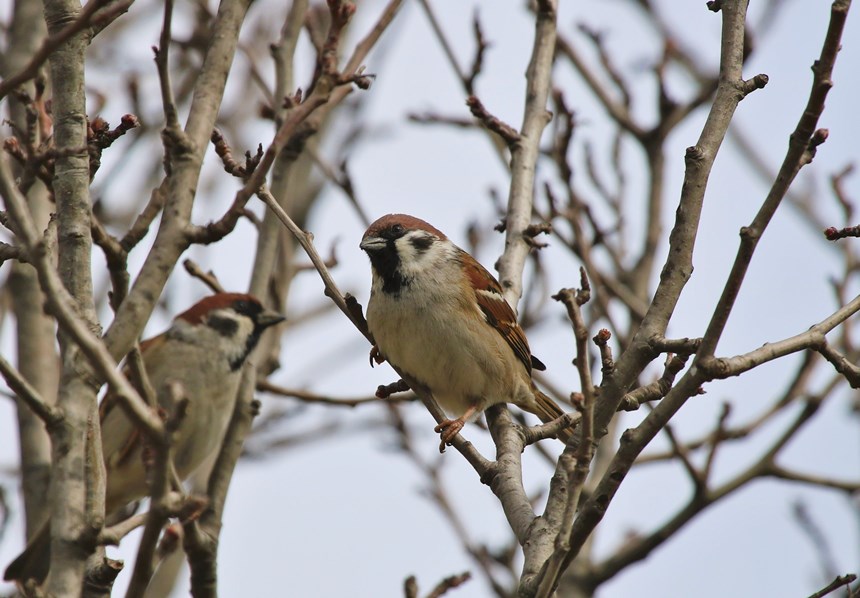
[447,429]
[376,356]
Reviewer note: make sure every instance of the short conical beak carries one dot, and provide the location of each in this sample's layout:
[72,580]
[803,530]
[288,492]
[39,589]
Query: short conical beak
[269,318]
[372,243]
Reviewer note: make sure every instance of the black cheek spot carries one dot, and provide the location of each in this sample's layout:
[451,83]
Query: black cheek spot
[422,243]
[224,326]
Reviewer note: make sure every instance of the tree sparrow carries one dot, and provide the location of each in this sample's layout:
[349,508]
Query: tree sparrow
[437,314]
[203,351]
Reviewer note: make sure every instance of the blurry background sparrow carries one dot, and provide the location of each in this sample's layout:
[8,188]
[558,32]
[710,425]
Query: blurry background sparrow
[438,315]
[203,351]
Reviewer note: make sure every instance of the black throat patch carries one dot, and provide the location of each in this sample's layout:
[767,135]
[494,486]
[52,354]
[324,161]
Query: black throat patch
[252,341]
[386,262]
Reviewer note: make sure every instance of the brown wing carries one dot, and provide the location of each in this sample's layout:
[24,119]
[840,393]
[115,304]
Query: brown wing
[498,314]
[118,443]
[117,453]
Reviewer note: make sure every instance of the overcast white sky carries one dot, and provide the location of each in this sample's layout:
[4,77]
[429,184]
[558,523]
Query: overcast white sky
[346,517]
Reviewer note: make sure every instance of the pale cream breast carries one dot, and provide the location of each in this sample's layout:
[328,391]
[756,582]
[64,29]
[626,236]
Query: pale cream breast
[464,363]
[213,386]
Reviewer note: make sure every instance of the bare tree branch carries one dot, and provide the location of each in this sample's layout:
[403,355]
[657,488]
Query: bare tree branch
[801,149]
[842,580]
[25,391]
[525,154]
[91,15]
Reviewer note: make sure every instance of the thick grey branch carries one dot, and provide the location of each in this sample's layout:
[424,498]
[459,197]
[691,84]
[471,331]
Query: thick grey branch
[524,154]
[678,266]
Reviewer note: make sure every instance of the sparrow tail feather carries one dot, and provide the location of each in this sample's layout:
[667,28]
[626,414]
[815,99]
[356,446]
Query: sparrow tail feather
[34,562]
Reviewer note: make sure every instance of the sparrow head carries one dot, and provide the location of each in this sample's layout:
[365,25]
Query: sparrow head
[232,322]
[401,247]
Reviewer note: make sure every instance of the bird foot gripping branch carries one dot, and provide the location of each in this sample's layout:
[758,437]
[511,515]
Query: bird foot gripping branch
[449,428]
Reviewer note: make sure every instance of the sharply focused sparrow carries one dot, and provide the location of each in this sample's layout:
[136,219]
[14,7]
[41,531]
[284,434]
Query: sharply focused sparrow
[439,316]
[203,351]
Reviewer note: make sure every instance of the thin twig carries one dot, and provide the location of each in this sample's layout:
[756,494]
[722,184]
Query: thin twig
[572,466]
[28,394]
[162,61]
[802,146]
[842,580]
[509,134]
[114,534]
[551,429]
[86,18]
[814,338]
[207,278]
[305,239]
[449,583]
[310,397]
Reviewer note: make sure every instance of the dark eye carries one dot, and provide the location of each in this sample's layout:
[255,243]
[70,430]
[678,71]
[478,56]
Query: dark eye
[397,229]
[242,306]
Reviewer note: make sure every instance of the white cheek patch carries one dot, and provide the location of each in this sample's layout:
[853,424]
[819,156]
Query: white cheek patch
[230,341]
[419,253]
